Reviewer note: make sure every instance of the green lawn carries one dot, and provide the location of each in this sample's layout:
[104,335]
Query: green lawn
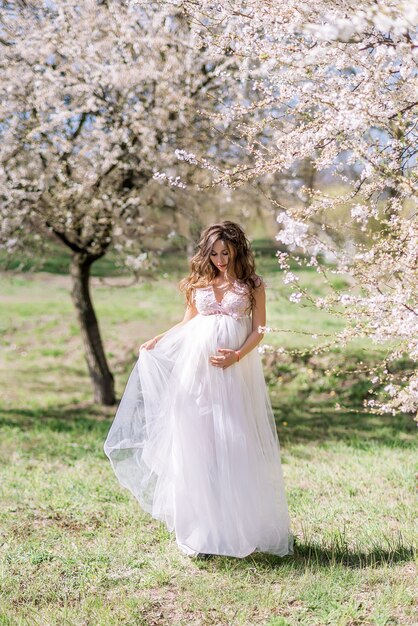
[75,547]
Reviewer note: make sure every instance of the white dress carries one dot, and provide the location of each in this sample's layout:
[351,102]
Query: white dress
[197,444]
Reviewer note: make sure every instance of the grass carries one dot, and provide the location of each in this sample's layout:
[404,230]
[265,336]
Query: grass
[75,548]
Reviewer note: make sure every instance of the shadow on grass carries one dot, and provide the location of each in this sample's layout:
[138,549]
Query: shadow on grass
[308,555]
[321,424]
[89,424]
[78,419]
[360,430]
[311,553]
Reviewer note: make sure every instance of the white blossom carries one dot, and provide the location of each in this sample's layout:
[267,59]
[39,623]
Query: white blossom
[136,262]
[290,277]
[332,87]
[360,213]
[293,231]
[295,297]
[264,329]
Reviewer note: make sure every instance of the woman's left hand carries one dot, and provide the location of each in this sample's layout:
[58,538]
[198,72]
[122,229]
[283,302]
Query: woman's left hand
[228,357]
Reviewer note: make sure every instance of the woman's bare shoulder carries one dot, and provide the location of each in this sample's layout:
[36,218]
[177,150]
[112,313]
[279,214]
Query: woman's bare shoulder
[258,281]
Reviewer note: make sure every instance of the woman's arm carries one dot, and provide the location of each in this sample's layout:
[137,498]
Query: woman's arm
[229,357]
[258,319]
[190,312]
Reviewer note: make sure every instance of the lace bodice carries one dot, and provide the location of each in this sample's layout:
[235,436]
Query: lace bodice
[235,302]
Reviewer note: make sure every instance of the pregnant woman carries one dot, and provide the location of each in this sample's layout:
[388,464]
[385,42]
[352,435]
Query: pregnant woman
[194,437]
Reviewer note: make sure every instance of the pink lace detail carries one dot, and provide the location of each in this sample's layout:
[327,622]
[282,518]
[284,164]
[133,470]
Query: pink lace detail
[235,302]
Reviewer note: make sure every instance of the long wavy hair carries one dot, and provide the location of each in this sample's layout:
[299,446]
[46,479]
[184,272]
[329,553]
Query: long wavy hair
[240,263]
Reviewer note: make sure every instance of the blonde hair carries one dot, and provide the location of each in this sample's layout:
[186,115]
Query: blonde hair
[241,260]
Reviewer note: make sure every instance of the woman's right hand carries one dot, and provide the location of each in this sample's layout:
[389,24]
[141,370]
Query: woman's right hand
[148,345]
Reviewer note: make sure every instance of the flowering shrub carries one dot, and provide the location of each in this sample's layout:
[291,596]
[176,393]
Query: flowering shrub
[334,85]
[93,99]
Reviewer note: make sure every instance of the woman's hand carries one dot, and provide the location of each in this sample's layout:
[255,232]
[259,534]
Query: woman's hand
[228,357]
[148,345]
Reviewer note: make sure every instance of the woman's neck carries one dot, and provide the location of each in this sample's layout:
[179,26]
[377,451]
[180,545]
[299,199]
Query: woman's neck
[222,279]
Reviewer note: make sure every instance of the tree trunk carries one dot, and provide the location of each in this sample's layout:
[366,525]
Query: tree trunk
[100,374]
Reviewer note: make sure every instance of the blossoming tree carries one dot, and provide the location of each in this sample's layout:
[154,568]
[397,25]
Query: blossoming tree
[335,85]
[94,98]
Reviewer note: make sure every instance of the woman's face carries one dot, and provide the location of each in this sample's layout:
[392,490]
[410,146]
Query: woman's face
[220,255]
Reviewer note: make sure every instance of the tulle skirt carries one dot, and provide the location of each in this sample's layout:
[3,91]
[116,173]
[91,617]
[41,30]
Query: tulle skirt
[197,445]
